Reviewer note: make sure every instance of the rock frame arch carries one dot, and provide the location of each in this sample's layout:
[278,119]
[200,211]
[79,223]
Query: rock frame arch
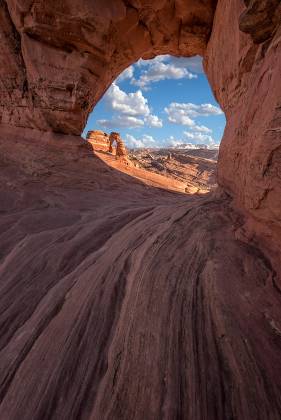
[58,58]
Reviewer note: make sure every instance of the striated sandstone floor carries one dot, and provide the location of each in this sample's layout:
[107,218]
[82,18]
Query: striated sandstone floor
[120,300]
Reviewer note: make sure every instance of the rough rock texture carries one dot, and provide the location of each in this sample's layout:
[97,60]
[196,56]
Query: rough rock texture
[246,83]
[61,56]
[122,301]
[261,19]
[99,140]
[118,300]
[192,167]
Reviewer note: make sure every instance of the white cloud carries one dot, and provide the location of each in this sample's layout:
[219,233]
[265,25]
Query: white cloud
[133,103]
[202,128]
[130,110]
[199,138]
[193,64]
[126,74]
[153,121]
[143,141]
[177,111]
[121,121]
[161,68]
[180,117]
[185,113]
[158,58]
[192,141]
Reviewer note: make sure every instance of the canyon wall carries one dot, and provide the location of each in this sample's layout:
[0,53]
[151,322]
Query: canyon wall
[243,64]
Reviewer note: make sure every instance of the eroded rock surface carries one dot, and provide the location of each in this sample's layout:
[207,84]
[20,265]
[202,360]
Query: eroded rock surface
[122,301]
[118,300]
[261,19]
[99,140]
[121,152]
[195,168]
[61,56]
[246,83]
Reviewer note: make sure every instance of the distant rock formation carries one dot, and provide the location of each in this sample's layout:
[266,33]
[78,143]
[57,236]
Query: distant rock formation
[121,151]
[102,142]
[99,140]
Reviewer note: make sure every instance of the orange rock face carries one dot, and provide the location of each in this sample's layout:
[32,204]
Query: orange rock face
[99,140]
[121,152]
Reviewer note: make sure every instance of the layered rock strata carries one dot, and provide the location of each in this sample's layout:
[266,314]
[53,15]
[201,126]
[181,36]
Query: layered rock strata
[122,301]
[99,140]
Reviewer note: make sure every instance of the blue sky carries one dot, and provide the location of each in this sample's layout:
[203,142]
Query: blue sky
[160,102]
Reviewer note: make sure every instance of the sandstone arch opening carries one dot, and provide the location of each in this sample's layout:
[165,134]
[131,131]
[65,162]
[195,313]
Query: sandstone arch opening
[167,117]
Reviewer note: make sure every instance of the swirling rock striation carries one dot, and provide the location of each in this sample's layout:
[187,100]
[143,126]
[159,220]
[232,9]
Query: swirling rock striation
[123,301]
[119,300]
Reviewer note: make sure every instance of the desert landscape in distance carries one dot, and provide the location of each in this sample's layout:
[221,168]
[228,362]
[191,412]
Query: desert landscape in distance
[185,170]
[140,279]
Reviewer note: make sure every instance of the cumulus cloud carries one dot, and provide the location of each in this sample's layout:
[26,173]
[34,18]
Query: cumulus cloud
[161,68]
[193,64]
[192,140]
[130,110]
[133,103]
[202,128]
[144,141]
[186,113]
[128,73]
[199,138]
[153,121]
[121,121]
[176,110]
[180,117]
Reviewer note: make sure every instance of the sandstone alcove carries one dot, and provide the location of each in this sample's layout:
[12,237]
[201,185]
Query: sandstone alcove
[118,302]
